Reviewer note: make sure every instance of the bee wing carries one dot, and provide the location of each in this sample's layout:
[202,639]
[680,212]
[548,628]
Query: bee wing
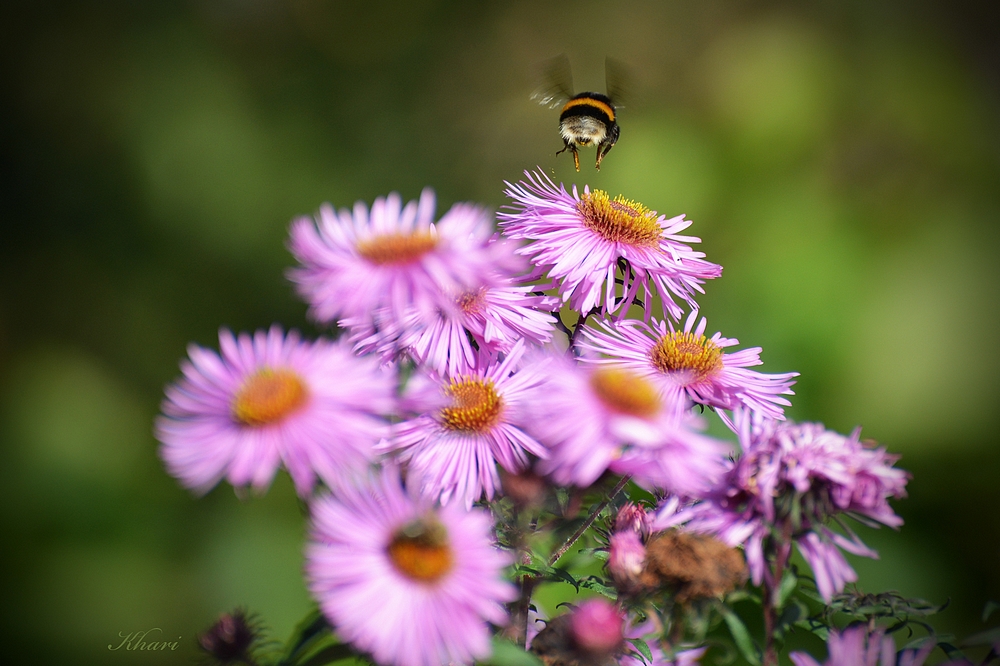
[619,82]
[557,82]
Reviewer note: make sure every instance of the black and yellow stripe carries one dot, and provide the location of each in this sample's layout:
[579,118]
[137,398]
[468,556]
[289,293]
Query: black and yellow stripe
[590,104]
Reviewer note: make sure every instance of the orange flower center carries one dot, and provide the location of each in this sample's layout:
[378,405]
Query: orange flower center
[268,396]
[625,392]
[620,220]
[476,406]
[420,551]
[397,248]
[677,351]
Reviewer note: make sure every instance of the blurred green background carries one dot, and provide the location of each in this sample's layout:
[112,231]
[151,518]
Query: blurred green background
[840,160]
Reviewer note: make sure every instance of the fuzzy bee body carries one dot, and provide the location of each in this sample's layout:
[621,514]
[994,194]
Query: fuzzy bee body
[588,119]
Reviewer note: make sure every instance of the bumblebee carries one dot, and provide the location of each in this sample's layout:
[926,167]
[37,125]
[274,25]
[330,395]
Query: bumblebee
[586,119]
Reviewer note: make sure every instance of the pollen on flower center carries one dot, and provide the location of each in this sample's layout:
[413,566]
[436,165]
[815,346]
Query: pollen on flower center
[268,396]
[680,351]
[471,302]
[620,220]
[397,248]
[476,407]
[420,551]
[625,392]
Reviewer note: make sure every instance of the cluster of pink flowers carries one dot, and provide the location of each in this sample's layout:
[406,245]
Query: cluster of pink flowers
[791,479]
[449,370]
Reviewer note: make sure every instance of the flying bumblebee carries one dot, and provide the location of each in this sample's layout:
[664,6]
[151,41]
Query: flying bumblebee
[587,118]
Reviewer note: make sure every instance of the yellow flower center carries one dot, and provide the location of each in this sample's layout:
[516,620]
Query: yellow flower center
[397,248]
[420,551]
[620,220]
[625,392]
[476,408]
[677,351]
[268,396]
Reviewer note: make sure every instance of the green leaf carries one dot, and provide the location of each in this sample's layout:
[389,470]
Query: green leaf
[597,585]
[817,628]
[988,637]
[643,649]
[329,655]
[989,608]
[788,584]
[950,650]
[792,614]
[306,635]
[506,653]
[547,572]
[741,636]
[742,595]
[596,553]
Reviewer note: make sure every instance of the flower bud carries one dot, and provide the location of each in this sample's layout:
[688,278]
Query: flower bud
[625,559]
[633,517]
[597,627]
[231,638]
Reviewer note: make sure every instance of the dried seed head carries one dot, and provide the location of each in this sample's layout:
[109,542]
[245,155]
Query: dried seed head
[694,566]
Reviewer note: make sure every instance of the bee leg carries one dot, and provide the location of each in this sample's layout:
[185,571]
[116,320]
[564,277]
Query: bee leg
[608,144]
[572,148]
[602,150]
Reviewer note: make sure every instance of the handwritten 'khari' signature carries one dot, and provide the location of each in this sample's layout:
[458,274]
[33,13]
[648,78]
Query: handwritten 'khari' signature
[137,641]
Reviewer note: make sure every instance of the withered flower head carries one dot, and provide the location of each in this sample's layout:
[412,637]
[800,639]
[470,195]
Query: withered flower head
[694,566]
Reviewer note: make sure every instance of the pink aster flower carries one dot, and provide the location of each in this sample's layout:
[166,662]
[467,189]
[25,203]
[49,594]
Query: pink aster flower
[790,480]
[488,318]
[269,400]
[596,419]
[369,269]
[856,647]
[468,423]
[686,362]
[583,239]
[405,581]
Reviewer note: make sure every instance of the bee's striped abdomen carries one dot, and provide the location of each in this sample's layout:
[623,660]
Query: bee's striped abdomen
[589,104]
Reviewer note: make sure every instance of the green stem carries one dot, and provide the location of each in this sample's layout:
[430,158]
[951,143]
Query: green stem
[589,521]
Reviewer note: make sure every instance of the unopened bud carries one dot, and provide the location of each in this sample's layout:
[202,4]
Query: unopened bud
[597,627]
[626,558]
[633,517]
[231,638]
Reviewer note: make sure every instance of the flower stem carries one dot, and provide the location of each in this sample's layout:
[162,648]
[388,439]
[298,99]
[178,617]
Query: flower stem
[576,329]
[772,587]
[589,521]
